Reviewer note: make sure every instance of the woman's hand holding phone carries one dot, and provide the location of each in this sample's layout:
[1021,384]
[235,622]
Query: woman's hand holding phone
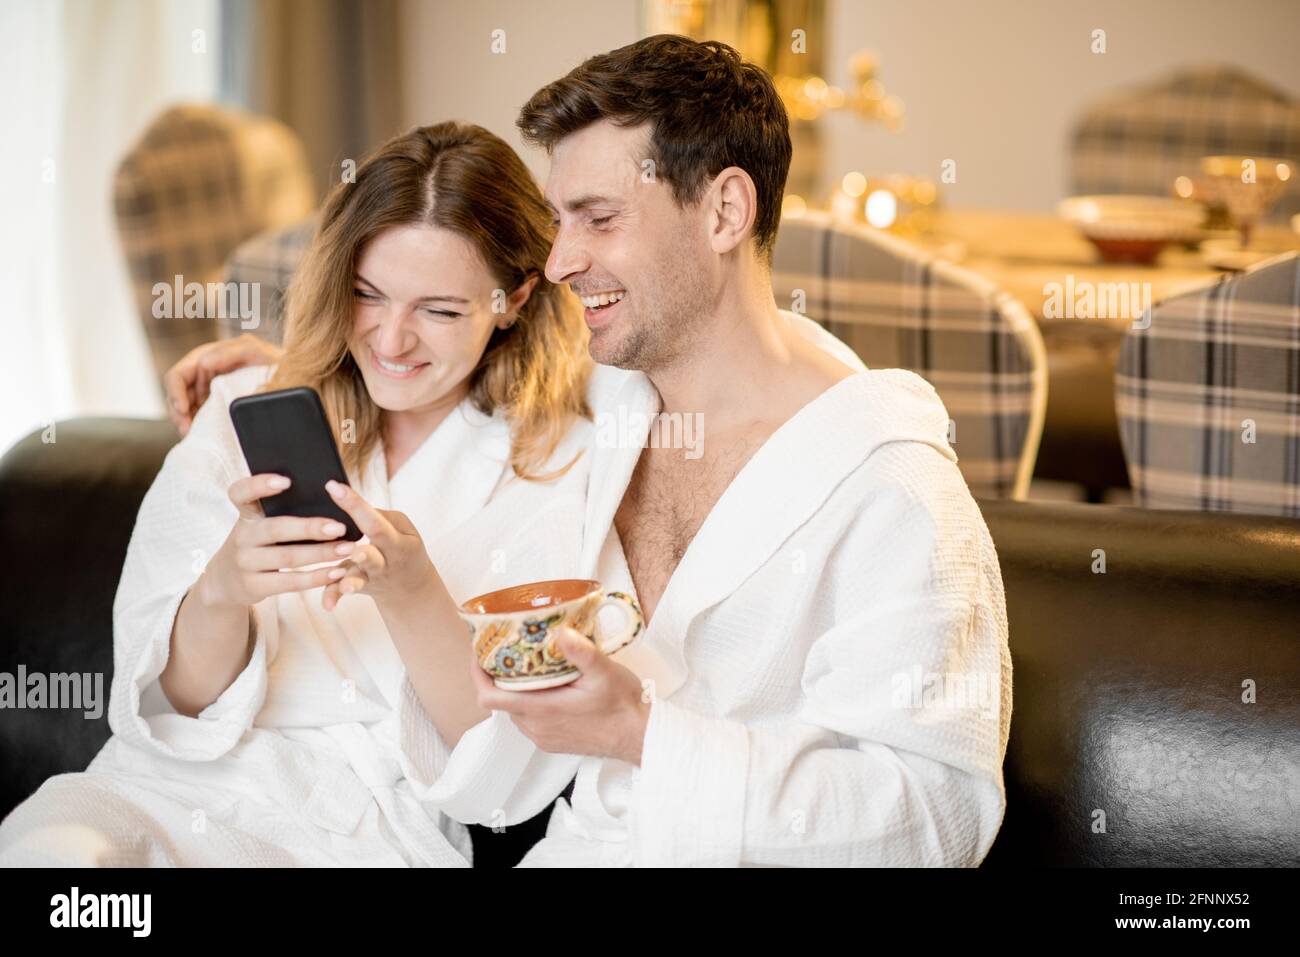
[247,567]
[393,568]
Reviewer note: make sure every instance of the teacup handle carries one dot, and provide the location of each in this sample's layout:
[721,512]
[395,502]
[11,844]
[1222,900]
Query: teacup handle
[632,611]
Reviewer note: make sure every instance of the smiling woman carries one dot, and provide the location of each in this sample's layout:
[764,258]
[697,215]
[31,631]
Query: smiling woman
[423,307]
[280,695]
[421,290]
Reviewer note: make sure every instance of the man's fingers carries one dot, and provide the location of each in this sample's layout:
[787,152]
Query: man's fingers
[580,651]
[246,492]
[176,388]
[367,517]
[252,351]
[226,355]
[492,698]
[202,387]
[179,419]
[518,703]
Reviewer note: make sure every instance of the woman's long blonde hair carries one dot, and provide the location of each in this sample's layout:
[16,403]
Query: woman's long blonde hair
[460,177]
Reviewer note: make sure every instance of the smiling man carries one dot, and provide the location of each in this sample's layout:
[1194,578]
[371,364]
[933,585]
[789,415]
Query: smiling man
[818,586]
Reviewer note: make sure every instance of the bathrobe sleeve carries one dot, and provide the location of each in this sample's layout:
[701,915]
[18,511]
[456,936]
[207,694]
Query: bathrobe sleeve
[875,769]
[494,776]
[184,519]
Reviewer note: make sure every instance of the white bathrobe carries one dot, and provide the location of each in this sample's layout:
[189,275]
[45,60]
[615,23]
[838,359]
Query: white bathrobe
[791,659]
[829,667]
[300,761]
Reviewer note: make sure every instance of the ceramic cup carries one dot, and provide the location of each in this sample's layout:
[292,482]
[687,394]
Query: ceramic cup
[514,630]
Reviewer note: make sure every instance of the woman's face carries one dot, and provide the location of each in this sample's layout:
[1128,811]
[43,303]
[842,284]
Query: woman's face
[422,310]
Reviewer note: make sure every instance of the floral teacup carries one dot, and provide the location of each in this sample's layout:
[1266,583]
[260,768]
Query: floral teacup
[514,629]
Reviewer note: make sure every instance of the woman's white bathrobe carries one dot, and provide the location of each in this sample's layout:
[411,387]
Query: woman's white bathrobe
[829,664]
[304,758]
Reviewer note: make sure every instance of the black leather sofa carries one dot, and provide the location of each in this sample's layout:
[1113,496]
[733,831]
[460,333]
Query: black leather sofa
[1134,740]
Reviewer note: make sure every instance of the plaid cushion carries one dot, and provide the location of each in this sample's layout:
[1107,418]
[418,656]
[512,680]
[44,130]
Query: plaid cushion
[898,306]
[1208,396]
[1139,140]
[269,260]
[200,181]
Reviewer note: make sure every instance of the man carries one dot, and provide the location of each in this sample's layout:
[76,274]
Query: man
[824,678]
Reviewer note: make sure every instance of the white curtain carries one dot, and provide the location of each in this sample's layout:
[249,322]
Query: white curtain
[81,80]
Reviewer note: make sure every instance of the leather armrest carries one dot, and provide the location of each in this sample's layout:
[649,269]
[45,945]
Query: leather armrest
[67,508]
[1129,685]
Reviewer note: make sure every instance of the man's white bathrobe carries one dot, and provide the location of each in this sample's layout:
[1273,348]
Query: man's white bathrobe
[302,760]
[829,667]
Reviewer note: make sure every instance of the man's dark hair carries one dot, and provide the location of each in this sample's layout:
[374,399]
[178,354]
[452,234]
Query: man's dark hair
[708,110]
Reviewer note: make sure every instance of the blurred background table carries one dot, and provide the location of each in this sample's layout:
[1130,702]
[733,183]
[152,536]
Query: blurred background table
[1024,253]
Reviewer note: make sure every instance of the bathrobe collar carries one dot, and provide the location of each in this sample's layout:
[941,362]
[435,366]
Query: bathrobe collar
[448,480]
[780,489]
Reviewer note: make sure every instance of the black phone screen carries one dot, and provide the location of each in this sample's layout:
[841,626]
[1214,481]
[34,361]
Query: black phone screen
[286,432]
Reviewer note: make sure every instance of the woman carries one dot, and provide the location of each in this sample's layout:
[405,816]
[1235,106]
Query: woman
[276,704]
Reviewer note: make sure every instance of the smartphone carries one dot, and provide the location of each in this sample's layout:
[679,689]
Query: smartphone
[286,432]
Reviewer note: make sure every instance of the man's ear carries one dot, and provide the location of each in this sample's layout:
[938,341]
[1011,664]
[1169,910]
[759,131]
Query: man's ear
[516,301]
[733,203]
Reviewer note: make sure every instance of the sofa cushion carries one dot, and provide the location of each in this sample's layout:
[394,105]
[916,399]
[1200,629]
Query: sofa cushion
[1132,687]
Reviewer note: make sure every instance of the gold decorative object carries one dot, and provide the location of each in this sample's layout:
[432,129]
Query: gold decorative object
[788,38]
[809,96]
[1247,186]
[900,204]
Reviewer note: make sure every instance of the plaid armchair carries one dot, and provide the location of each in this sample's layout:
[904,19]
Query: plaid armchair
[1208,396]
[270,260]
[201,180]
[1139,140]
[897,306]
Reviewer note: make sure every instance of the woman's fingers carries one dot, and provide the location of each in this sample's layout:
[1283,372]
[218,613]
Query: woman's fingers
[350,581]
[399,521]
[280,583]
[246,492]
[355,576]
[275,557]
[353,583]
[290,528]
[368,518]
[369,558]
[329,598]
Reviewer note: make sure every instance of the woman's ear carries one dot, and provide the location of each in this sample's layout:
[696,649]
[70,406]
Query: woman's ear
[516,301]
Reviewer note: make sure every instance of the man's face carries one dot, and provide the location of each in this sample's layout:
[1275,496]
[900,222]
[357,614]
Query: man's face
[641,264]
